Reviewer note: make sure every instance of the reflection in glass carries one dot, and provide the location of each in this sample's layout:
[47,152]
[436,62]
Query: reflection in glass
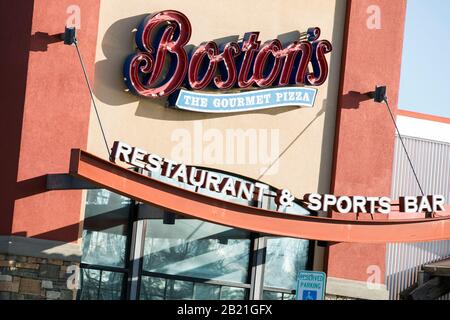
[206,292]
[270,295]
[90,280]
[231,293]
[179,290]
[165,289]
[105,228]
[285,257]
[153,288]
[197,249]
[101,285]
[111,286]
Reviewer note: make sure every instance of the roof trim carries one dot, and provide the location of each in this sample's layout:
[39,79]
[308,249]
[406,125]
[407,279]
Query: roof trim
[423,116]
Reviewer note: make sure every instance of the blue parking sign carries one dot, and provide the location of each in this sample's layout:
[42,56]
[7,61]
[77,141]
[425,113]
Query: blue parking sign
[309,295]
[311,285]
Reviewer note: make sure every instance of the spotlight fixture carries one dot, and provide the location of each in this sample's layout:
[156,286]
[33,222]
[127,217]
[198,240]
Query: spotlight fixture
[70,35]
[169,217]
[379,95]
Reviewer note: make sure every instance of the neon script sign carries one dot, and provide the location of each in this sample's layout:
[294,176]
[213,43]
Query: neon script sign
[163,37]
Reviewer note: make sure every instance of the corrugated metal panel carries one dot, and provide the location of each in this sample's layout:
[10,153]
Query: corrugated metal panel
[404,261]
[431,161]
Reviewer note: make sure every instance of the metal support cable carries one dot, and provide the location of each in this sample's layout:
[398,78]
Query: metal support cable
[92,96]
[403,145]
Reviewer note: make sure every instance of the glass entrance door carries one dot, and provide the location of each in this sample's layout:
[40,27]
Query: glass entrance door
[193,259]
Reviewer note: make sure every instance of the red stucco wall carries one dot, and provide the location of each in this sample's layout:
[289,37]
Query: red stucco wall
[50,108]
[364,142]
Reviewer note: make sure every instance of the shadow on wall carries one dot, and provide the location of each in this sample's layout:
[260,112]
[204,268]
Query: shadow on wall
[332,102]
[353,99]
[60,233]
[118,42]
[40,41]
[100,222]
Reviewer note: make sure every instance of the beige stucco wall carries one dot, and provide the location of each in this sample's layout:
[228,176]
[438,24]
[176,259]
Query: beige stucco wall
[305,134]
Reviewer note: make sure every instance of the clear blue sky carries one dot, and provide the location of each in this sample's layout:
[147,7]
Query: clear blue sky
[425,77]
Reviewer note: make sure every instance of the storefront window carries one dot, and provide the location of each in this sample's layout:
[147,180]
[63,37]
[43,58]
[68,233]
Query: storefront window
[168,289]
[105,246]
[101,285]
[197,249]
[105,228]
[285,258]
[181,258]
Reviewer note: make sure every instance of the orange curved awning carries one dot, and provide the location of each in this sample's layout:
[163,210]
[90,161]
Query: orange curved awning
[139,187]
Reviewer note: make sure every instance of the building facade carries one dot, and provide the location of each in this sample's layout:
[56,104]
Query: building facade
[64,237]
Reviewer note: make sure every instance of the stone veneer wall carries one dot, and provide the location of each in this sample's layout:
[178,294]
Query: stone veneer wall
[344,289]
[29,278]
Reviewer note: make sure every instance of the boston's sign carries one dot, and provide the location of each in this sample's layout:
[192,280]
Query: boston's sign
[162,66]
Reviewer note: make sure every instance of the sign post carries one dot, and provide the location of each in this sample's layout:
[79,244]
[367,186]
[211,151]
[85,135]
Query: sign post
[311,285]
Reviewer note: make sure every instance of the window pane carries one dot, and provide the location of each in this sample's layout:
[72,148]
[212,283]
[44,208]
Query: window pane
[285,257]
[90,280]
[197,249]
[101,285]
[160,289]
[105,228]
[288,296]
[270,295]
[230,293]
[152,288]
[206,292]
[179,290]
[111,286]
